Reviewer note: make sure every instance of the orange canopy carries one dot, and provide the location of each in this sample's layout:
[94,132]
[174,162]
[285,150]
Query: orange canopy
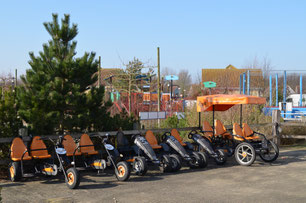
[223,102]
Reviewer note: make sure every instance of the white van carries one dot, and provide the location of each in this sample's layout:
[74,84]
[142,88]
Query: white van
[295,99]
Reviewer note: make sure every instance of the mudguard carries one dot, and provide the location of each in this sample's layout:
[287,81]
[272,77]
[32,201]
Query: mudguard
[203,143]
[144,145]
[176,145]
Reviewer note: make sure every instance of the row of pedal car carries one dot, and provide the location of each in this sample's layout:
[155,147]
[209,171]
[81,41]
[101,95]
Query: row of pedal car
[138,153]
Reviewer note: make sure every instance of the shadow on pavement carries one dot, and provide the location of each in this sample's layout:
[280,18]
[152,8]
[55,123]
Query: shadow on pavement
[97,186]
[11,184]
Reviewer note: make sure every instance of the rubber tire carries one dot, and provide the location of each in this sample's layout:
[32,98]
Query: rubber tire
[165,164]
[178,160]
[204,158]
[17,171]
[276,150]
[252,151]
[77,178]
[127,169]
[196,156]
[223,154]
[144,166]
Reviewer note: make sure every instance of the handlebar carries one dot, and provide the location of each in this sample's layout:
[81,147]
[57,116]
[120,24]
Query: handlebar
[165,135]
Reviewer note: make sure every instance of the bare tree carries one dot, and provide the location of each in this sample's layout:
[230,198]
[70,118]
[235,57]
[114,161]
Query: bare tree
[184,81]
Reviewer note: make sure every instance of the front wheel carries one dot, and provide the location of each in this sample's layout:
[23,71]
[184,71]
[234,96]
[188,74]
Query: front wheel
[140,166]
[123,171]
[73,178]
[221,157]
[15,171]
[165,164]
[176,163]
[245,154]
[204,159]
[271,153]
[195,161]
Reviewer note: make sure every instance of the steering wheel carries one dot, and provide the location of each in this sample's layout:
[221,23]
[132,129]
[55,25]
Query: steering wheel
[135,135]
[191,133]
[165,135]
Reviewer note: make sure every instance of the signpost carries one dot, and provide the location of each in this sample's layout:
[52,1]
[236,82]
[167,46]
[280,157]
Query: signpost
[171,78]
[209,85]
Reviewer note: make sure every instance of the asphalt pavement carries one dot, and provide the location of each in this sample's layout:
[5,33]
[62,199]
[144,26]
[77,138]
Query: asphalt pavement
[282,181]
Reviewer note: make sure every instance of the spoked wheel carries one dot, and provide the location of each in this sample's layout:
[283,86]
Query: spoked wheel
[165,164]
[73,178]
[176,163]
[221,157]
[195,161]
[140,166]
[204,159]
[271,153]
[245,154]
[123,171]
[15,171]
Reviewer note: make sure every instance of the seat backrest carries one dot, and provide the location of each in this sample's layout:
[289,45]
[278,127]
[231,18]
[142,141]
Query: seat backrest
[247,131]
[207,127]
[18,148]
[122,141]
[85,140]
[176,134]
[237,130]
[37,144]
[150,137]
[219,128]
[69,144]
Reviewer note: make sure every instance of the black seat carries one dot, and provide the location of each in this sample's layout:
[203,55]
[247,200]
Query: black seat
[123,143]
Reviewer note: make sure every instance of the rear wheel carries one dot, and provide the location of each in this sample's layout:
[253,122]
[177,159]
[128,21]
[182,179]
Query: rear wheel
[176,163]
[73,178]
[204,159]
[123,171]
[140,166]
[271,153]
[195,161]
[221,157]
[245,154]
[165,164]
[15,171]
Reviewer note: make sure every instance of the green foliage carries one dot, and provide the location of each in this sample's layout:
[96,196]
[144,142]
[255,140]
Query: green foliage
[58,93]
[9,122]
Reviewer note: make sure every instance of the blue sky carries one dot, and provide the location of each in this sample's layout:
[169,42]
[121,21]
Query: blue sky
[191,34]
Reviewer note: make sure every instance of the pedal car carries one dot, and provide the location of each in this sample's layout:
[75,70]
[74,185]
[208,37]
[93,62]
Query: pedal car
[243,143]
[26,164]
[85,155]
[169,162]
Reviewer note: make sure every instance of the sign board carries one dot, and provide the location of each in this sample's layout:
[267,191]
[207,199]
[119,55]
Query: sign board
[171,77]
[152,115]
[209,84]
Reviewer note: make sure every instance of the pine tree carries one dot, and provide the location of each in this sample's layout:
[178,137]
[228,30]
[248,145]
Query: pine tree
[58,93]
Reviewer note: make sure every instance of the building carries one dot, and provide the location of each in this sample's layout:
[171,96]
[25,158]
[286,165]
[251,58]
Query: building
[228,80]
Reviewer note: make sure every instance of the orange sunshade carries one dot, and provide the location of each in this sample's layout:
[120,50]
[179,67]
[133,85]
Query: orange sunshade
[223,102]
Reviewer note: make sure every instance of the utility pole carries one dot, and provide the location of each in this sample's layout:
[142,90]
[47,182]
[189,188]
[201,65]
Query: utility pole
[99,72]
[158,83]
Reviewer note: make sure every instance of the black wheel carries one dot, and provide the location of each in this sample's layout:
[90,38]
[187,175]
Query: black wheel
[176,163]
[165,164]
[123,171]
[195,161]
[15,171]
[73,178]
[140,166]
[245,154]
[271,153]
[204,159]
[221,157]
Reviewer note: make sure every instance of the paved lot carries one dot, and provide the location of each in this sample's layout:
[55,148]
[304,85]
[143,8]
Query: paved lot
[282,181]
